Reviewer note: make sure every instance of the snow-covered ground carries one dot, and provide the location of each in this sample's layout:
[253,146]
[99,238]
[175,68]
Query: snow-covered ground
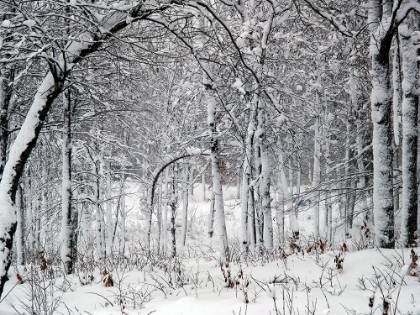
[287,281]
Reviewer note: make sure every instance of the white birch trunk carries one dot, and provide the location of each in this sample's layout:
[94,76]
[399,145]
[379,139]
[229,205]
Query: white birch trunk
[203,185]
[220,232]
[20,228]
[100,246]
[184,206]
[381,106]
[165,213]
[409,137]
[210,220]
[265,184]
[123,214]
[109,204]
[317,174]
[287,203]
[246,178]
[67,221]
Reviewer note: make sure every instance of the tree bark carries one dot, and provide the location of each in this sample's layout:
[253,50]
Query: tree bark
[381,105]
[409,138]
[220,226]
[184,206]
[69,217]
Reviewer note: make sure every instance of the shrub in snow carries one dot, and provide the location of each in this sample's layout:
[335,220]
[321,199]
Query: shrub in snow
[107,279]
[414,268]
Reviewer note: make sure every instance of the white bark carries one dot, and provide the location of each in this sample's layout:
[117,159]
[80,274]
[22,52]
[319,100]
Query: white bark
[410,137]
[287,203]
[165,213]
[123,214]
[108,205]
[265,183]
[316,174]
[381,105]
[184,206]
[210,220]
[203,185]
[20,228]
[246,178]
[220,232]
[68,252]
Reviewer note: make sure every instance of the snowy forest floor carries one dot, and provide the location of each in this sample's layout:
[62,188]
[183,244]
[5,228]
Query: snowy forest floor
[302,279]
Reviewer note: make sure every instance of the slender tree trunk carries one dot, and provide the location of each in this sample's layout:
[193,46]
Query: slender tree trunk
[6,76]
[327,202]
[220,230]
[359,144]
[382,130]
[347,174]
[190,170]
[20,250]
[149,215]
[203,185]
[396,105]
[210,220]
[317,175]
[165,214]
[251,218]
[184,206]
[298,184]
[265,183]
[258,214]
[238,184]
[123,212]
[287,202]
[246,178]
[100,246]
[109,205]
[173,204]
[159,216]
[409,137]
[68,221]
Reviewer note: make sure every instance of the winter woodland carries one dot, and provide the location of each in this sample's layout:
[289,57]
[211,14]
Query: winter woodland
[209,157]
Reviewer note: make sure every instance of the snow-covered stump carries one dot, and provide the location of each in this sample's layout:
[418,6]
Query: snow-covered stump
[409,136]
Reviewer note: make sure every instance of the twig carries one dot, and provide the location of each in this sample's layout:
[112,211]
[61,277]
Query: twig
[102,297]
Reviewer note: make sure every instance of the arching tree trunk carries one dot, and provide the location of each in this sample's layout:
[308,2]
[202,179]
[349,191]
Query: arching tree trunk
[48,90]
